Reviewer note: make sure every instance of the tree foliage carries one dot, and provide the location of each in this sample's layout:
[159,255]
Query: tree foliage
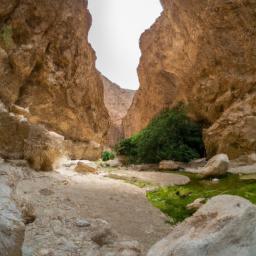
[170,136]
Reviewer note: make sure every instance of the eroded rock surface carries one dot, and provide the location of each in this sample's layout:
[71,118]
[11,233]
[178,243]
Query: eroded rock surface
[12,228]
[47,67]
[117,101]
[225,226]
[201,53]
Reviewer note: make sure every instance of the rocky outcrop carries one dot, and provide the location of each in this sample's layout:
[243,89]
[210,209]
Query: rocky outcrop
[117,101]
[226,225]
[12,228]
[201,53]
[47,68]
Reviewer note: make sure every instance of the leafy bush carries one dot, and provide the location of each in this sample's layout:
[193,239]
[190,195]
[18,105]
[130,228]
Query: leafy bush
[107,155]
[170,136]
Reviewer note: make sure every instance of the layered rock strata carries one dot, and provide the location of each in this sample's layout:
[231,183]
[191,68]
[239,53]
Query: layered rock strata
[201,53]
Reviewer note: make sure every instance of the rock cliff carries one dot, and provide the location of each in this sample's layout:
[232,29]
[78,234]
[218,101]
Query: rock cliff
[47,67]
[202,53]
[117,101]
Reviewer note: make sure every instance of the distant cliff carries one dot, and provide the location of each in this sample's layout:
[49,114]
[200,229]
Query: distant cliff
[117,101]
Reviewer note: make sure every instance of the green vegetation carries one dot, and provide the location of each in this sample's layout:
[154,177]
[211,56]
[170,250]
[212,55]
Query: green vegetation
[6,36]
[107,155]
[170,136]
[173,200]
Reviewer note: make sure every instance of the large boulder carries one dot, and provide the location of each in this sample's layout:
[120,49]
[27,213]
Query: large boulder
[216,166]
[12,228]
[225,226]
[44,149]
[14,130]
[86,167]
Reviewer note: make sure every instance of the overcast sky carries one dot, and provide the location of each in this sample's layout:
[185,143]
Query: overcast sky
[116,29]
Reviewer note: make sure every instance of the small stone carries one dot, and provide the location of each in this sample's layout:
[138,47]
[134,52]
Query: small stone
[198,203]
[82,223]
[215,181]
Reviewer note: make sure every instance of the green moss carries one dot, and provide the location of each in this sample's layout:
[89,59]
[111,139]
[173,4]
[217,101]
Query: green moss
[173,200]
[170,136]
[6,36]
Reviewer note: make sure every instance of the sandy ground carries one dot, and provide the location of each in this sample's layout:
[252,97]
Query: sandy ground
[66,192]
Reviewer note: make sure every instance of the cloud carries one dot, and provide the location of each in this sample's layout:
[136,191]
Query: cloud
[116,29]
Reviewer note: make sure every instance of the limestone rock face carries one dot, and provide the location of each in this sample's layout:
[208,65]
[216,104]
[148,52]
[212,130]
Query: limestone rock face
[12,228]
[48,67]
[201,53]
[224,226]
[117,101]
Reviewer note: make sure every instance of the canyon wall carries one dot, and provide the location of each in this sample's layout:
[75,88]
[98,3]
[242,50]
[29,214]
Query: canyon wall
[47,68]
[117,101]
[202,53]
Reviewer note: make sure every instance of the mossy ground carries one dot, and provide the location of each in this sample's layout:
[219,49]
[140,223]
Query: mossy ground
[173,200]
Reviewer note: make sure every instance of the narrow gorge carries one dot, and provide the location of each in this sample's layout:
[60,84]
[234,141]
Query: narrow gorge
[88,168]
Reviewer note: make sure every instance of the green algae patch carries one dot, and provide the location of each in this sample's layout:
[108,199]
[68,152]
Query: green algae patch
[173,200]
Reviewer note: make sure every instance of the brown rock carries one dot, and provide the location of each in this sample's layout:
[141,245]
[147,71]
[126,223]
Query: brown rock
[43,149]
[47,67]
[201,53]
[117,101]
[86,167]
[13,132]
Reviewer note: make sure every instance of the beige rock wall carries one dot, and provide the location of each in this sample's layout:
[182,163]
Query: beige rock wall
[48,66]
[202,53]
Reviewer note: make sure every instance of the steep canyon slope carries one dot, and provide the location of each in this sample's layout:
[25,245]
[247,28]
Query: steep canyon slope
[202,53]
[47,67]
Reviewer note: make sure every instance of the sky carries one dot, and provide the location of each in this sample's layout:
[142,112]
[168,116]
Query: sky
[116,28]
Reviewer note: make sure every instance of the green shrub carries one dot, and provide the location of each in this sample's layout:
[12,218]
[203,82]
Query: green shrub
[107,155]
[170,136]
[6,36]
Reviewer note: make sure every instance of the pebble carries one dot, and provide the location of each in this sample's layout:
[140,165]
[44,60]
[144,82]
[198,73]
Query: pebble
[215,181]
[82,223]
